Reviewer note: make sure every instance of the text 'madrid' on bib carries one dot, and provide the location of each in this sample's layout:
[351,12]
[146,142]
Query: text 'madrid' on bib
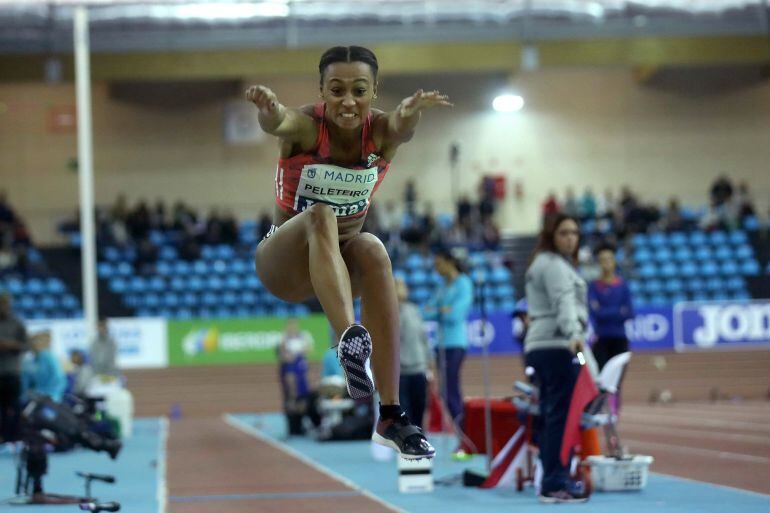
[347,191]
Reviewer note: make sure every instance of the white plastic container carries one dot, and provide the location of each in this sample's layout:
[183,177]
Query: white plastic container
[614,475]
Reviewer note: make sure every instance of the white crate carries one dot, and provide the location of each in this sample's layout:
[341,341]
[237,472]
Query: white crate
[613,475]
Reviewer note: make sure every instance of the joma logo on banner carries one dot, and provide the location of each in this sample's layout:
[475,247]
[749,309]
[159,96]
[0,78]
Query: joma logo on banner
[710,324]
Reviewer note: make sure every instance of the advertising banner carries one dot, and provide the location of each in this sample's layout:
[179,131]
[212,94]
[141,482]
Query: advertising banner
[722,325]
[228,341]
[141,341]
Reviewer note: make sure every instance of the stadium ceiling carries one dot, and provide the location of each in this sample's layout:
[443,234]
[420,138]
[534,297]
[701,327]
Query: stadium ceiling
[183,40]
[37,26]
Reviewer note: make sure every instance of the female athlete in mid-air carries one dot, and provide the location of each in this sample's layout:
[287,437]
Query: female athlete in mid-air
[334,155]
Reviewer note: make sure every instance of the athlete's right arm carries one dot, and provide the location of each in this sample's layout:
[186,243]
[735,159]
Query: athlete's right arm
[276,119]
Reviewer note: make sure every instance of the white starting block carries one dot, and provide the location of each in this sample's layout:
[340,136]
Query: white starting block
[415,476]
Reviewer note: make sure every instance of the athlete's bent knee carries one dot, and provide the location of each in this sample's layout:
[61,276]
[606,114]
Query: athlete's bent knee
[322,218]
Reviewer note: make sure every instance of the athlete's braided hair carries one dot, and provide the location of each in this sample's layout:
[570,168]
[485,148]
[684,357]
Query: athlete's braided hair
[348,54]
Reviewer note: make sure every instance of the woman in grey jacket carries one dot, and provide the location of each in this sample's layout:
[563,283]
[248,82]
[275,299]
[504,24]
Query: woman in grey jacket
[556,297]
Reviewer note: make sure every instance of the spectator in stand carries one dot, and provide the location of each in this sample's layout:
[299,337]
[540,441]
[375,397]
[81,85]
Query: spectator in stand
[104,351]
[745,204]
[490,235]
[605,205]
[410,197]
[673,220]
[588,205]
[146,256]
[550,207]
[213,234]
[13,345]
[570,205]
[229,228]
[464,210]
[42,372]
[158,217]
[183,218]
[119,211]
[264,224]
[721,191]
[81,375]
[189,249]
[139,222]
[415,357]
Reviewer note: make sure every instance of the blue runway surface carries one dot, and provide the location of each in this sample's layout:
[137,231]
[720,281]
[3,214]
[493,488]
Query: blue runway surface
[139,471]
[352,462]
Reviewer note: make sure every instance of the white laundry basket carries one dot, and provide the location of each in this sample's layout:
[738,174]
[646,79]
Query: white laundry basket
[614,475]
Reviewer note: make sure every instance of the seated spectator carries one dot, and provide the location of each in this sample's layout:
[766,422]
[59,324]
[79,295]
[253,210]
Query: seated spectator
[229,228]
[264,224]
[570,205]
[146,256]
[745,204]
[104,351]
[721,191]
[550,207]
[81,375]
[41,371]
[673,220]
[588,204]
[189,249]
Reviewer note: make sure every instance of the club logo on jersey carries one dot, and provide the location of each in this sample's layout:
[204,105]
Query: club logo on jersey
[311,173]
[371,159]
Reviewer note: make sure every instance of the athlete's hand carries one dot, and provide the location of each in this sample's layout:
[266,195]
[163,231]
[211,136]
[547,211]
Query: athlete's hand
[265,99]
[422,100]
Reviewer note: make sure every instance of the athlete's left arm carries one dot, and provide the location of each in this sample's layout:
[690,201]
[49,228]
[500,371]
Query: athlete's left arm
[403,120]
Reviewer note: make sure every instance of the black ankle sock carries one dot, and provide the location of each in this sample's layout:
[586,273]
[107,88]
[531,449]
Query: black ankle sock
[390,411]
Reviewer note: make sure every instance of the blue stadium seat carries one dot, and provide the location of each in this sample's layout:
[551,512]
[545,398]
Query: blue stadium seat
[189,299]
[170,300]
[183,313]
[669,270]
[163,268]
[663,254]
[709,268]
[735,283]
[749,267]
[247,297]
[413,261]
[233,282]
[208,252]
[641,300]
[239,266]
[640,239]
[229,298]
[718,238]
[151,300]
[751,224]
[677,239]
[697,239]
[215,283]
[69,301]
[182,268]
[658,300]
[738,237]
[674,286]
[195,283]
[657,240]
[222,312]
[720,295]
[219,266]
[54,286]
[479,274]
[104,269]
[703,253]
[700,295]
[683,254]
[696,284]
[418,277]
[648,271]
[137,284]
[723,252]
[634,286]
[118,285]
[200,267]
[744,252]
[500,274]
[740,295]
[14,285]
[112,254]
[503,291]
[34,286]
[715,284]
[225,252]
[157,284]
[168,253]
[124,269]
[643,255]
[677,297]
[729,268]
[420,294]
[300,310]
[653,286]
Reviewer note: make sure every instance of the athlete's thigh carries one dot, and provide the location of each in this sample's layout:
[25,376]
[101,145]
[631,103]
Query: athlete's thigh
[282,261]
[363,254]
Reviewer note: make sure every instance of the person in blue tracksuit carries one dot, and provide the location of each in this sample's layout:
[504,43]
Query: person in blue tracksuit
[450,307]
[609,307]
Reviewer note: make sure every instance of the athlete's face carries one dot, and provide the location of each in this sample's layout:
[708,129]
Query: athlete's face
[348,89]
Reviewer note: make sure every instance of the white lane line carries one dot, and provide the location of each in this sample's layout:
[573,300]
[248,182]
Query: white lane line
[726,487]
[717,411]
[252,431]
[160,468]
[678,419]
[715,435]
[710,453]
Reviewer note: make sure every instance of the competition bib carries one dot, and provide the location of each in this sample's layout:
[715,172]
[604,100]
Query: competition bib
[347,191]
